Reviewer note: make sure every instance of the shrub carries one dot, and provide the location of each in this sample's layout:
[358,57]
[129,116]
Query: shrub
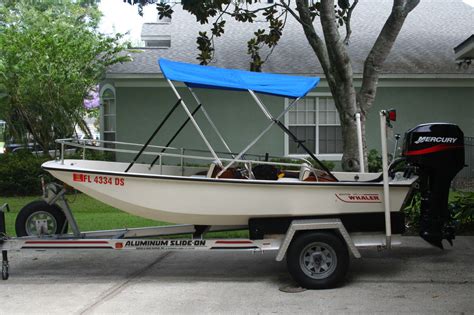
[412,212]
[462,209]
[20,174]
[461,206]
[374,161]
[92,155]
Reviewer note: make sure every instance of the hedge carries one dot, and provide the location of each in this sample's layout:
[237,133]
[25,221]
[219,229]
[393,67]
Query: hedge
[20,174]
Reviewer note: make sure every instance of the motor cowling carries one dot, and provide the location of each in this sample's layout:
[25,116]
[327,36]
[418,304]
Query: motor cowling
[436,150]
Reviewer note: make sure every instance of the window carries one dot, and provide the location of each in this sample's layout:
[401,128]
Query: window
[158,43]
[109,114]
[316,121]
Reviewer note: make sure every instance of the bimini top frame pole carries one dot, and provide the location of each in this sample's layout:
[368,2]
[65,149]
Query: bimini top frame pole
[253,142]
[166,146]
[151,137]
[194,123]
[208,77]
[208,117]
[204,111]
[288,132]
[282,127]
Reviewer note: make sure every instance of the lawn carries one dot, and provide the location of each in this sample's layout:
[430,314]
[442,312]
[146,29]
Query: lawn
[93,215]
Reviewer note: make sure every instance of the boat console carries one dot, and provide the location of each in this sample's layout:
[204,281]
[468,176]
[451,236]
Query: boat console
[436,151]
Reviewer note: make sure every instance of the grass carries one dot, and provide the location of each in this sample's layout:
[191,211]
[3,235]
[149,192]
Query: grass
[92,215]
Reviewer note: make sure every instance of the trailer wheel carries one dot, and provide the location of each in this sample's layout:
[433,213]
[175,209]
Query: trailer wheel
[318,260]
[39,218]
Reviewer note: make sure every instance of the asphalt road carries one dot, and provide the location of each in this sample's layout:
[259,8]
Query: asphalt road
[413,278]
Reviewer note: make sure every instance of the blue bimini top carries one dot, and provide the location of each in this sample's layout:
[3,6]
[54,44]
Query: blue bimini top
[230,79]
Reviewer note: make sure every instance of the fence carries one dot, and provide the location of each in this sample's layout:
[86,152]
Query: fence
[465,179]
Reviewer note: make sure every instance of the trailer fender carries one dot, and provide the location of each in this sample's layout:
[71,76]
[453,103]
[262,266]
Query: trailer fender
[313,225]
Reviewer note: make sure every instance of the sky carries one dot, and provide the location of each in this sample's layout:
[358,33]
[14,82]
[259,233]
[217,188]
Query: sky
[120,17]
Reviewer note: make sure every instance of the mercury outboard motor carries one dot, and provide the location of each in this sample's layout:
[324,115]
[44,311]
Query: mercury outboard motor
[436,150]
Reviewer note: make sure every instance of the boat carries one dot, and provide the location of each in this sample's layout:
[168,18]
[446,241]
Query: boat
[233,189]
[170,197]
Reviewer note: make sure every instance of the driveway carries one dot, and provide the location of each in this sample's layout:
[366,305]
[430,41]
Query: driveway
[412,278]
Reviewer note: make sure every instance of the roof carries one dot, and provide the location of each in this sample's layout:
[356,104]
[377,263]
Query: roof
[465,49]
[209,77]
[424,46]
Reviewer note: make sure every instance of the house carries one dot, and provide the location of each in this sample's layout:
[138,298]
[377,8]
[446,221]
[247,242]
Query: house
[421,79]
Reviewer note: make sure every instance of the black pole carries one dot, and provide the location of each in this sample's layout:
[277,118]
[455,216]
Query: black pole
[3,224]
[300,143]
[153,135]
[175,135]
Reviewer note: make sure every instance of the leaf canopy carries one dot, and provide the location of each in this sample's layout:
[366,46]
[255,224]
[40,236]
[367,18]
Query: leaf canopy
[51,55]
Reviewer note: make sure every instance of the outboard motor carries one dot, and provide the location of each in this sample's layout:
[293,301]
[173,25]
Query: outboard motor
[436,150]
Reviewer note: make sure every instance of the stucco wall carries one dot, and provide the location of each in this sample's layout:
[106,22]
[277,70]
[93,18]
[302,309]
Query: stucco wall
[141,109]
[421,105]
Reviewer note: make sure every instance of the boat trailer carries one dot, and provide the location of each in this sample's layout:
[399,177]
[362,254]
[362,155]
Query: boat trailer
[316,249]
[330,240]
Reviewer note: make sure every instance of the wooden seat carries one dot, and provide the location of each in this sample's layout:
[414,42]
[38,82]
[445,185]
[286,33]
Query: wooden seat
[231,172]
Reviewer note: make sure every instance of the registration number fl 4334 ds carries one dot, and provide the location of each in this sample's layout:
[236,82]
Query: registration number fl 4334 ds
[98,179]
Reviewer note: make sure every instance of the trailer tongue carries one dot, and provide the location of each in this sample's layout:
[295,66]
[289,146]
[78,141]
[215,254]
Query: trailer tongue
[436,151]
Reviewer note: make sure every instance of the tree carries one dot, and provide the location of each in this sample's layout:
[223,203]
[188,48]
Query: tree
[326,40]
[51,56]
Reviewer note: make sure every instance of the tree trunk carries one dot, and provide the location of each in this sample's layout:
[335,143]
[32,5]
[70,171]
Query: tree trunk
[350,158]
[346,103]
[333,56]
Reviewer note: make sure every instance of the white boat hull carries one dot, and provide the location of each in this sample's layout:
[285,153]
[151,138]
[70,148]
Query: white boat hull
[205,201]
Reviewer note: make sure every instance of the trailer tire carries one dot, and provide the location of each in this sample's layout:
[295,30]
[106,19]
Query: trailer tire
[54,216]
[318,260]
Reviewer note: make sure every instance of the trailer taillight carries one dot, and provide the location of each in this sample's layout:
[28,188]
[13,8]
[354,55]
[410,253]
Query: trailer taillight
[392,115]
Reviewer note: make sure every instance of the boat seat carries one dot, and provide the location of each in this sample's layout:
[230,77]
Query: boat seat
[231,172]
[309,174]
[306,173]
